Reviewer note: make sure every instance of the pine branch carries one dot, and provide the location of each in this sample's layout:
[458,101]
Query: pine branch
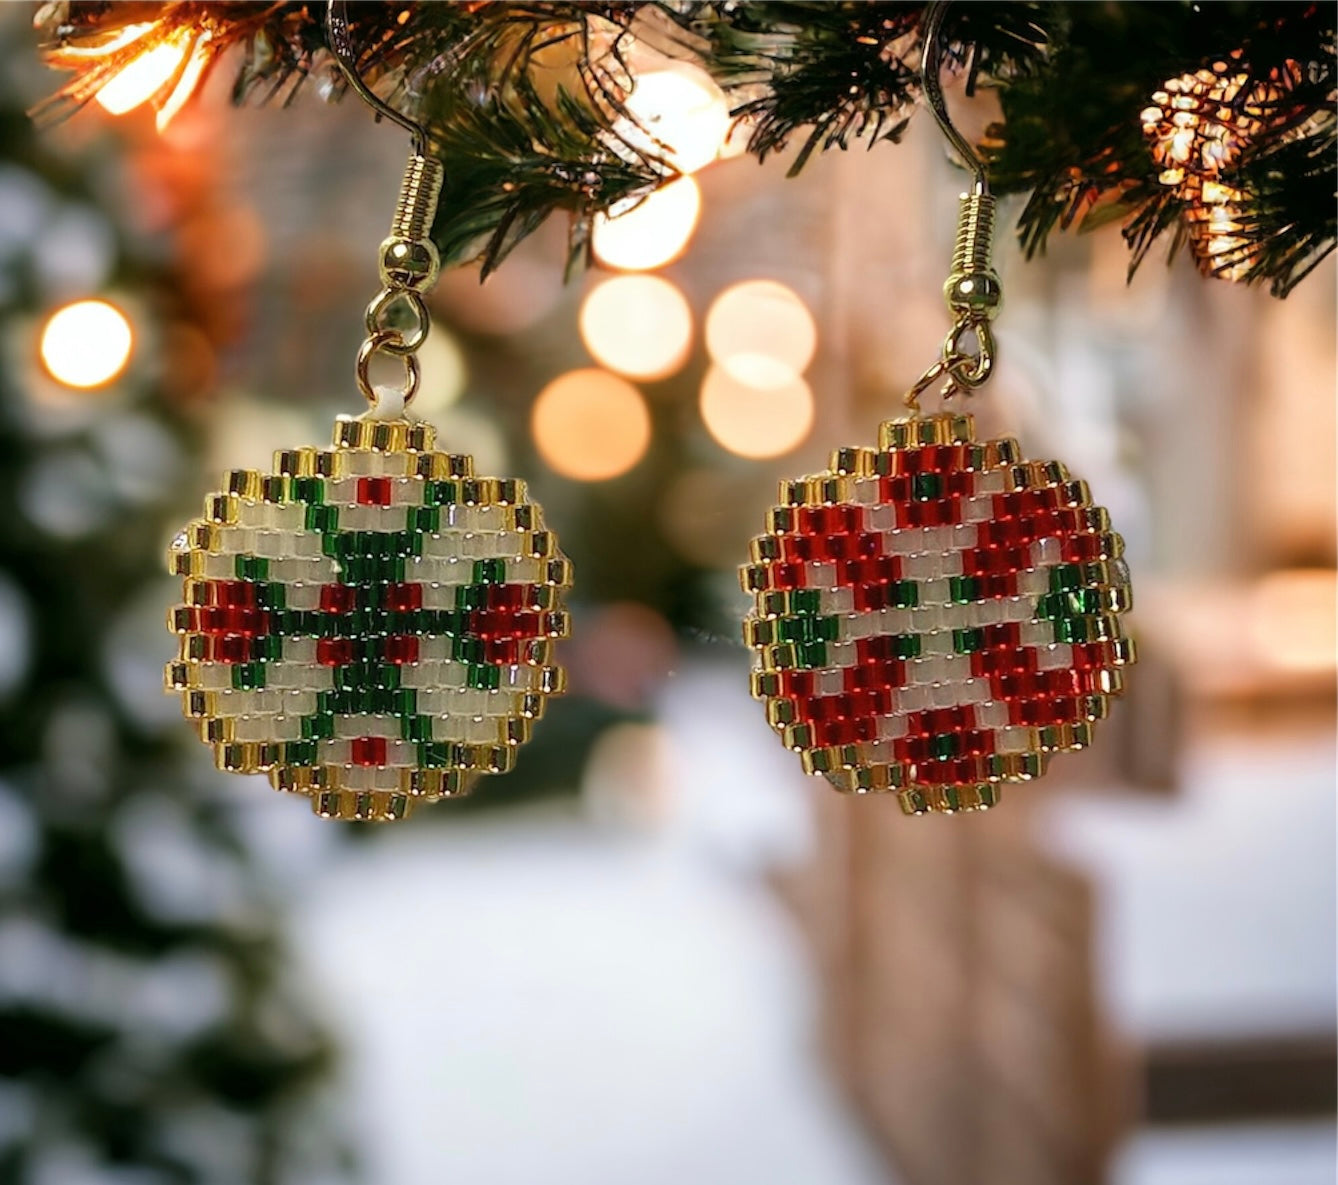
[525,102]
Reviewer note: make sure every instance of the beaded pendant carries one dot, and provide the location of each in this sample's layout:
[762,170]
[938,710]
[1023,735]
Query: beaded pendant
[372,625]
[936,616]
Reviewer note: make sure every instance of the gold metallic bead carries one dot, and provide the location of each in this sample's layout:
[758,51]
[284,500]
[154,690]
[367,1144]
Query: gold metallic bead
[222,508]
[245,483]
[410,264]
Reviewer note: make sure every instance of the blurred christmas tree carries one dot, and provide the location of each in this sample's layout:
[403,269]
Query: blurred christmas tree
[146,1030]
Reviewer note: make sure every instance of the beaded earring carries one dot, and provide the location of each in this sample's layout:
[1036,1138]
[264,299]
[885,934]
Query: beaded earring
[371,625]
[936,616]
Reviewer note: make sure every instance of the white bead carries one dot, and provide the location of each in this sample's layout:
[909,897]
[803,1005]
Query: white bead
[1056,657]
[1047,552]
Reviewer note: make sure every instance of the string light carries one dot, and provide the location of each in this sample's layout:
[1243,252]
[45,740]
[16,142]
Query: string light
[590,425]
[761,333]
[680,114]
[86,344]
[650,234]
[639,326]
[1198,127]
[755,423]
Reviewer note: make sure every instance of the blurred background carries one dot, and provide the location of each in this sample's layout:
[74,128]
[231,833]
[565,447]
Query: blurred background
[655,952]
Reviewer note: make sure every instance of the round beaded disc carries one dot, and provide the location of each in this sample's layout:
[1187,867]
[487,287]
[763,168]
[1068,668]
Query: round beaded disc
[371,625]
[935,616]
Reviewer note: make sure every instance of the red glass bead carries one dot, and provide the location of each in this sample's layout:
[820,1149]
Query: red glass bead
[797,683]
[874,673]
[959,484]
[235,593]
[338,598]
[367,751]
[334,652]
[506,596]
[403,598]
[401,649]
[373,491]
[504,652]
[231,649]
[1081,549]
[247,621]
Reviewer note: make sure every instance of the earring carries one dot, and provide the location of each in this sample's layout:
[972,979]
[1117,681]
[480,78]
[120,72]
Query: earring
[372,625]
[936,616]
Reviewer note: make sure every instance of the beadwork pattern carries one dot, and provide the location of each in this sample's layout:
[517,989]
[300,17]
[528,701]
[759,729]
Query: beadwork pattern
[370,625]
[935,616]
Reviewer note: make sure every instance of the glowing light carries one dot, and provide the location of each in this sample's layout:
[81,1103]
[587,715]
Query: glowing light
[761,333]
[590,425]
[200,56]
[682,116]
[86,344]
[650,234]
[144,77]
[752,422]
[640,326]
[71,55]
[1293,621]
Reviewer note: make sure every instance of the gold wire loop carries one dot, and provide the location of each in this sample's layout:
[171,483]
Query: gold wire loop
[912,397]
[970,369]
[410,337]
[389,342]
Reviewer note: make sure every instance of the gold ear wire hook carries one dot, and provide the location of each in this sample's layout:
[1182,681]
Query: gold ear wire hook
[341,48]
[397,319]
[972,290]
[931,59]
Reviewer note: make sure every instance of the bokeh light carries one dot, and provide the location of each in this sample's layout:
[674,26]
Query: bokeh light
[755,422]
[142,78]
[652,233]
[445,372]
[640,326]
[1292,619]
[86,344]
[590,425]
[762,333]
[682,116]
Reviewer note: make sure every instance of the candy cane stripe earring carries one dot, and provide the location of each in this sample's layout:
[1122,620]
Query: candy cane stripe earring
[372,625]
[935,616]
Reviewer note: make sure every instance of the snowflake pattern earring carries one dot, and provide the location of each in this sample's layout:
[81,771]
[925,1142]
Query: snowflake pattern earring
[936,616]
[371,625]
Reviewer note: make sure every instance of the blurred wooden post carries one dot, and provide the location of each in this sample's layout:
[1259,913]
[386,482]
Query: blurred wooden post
[957,957]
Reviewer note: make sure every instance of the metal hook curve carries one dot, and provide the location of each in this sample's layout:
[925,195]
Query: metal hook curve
[931,57]
[336,25]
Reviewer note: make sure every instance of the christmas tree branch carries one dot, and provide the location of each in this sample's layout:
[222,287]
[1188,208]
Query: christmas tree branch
[526,103]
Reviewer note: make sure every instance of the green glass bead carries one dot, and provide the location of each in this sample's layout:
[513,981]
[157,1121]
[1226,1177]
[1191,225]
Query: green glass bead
[811,655]
[904,594]
[906,645]
[967,641]
[944,745]
[248,676]
[484,677]
[308,489]
[964,589]
[806,600]
[926,487]
[1064,577]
